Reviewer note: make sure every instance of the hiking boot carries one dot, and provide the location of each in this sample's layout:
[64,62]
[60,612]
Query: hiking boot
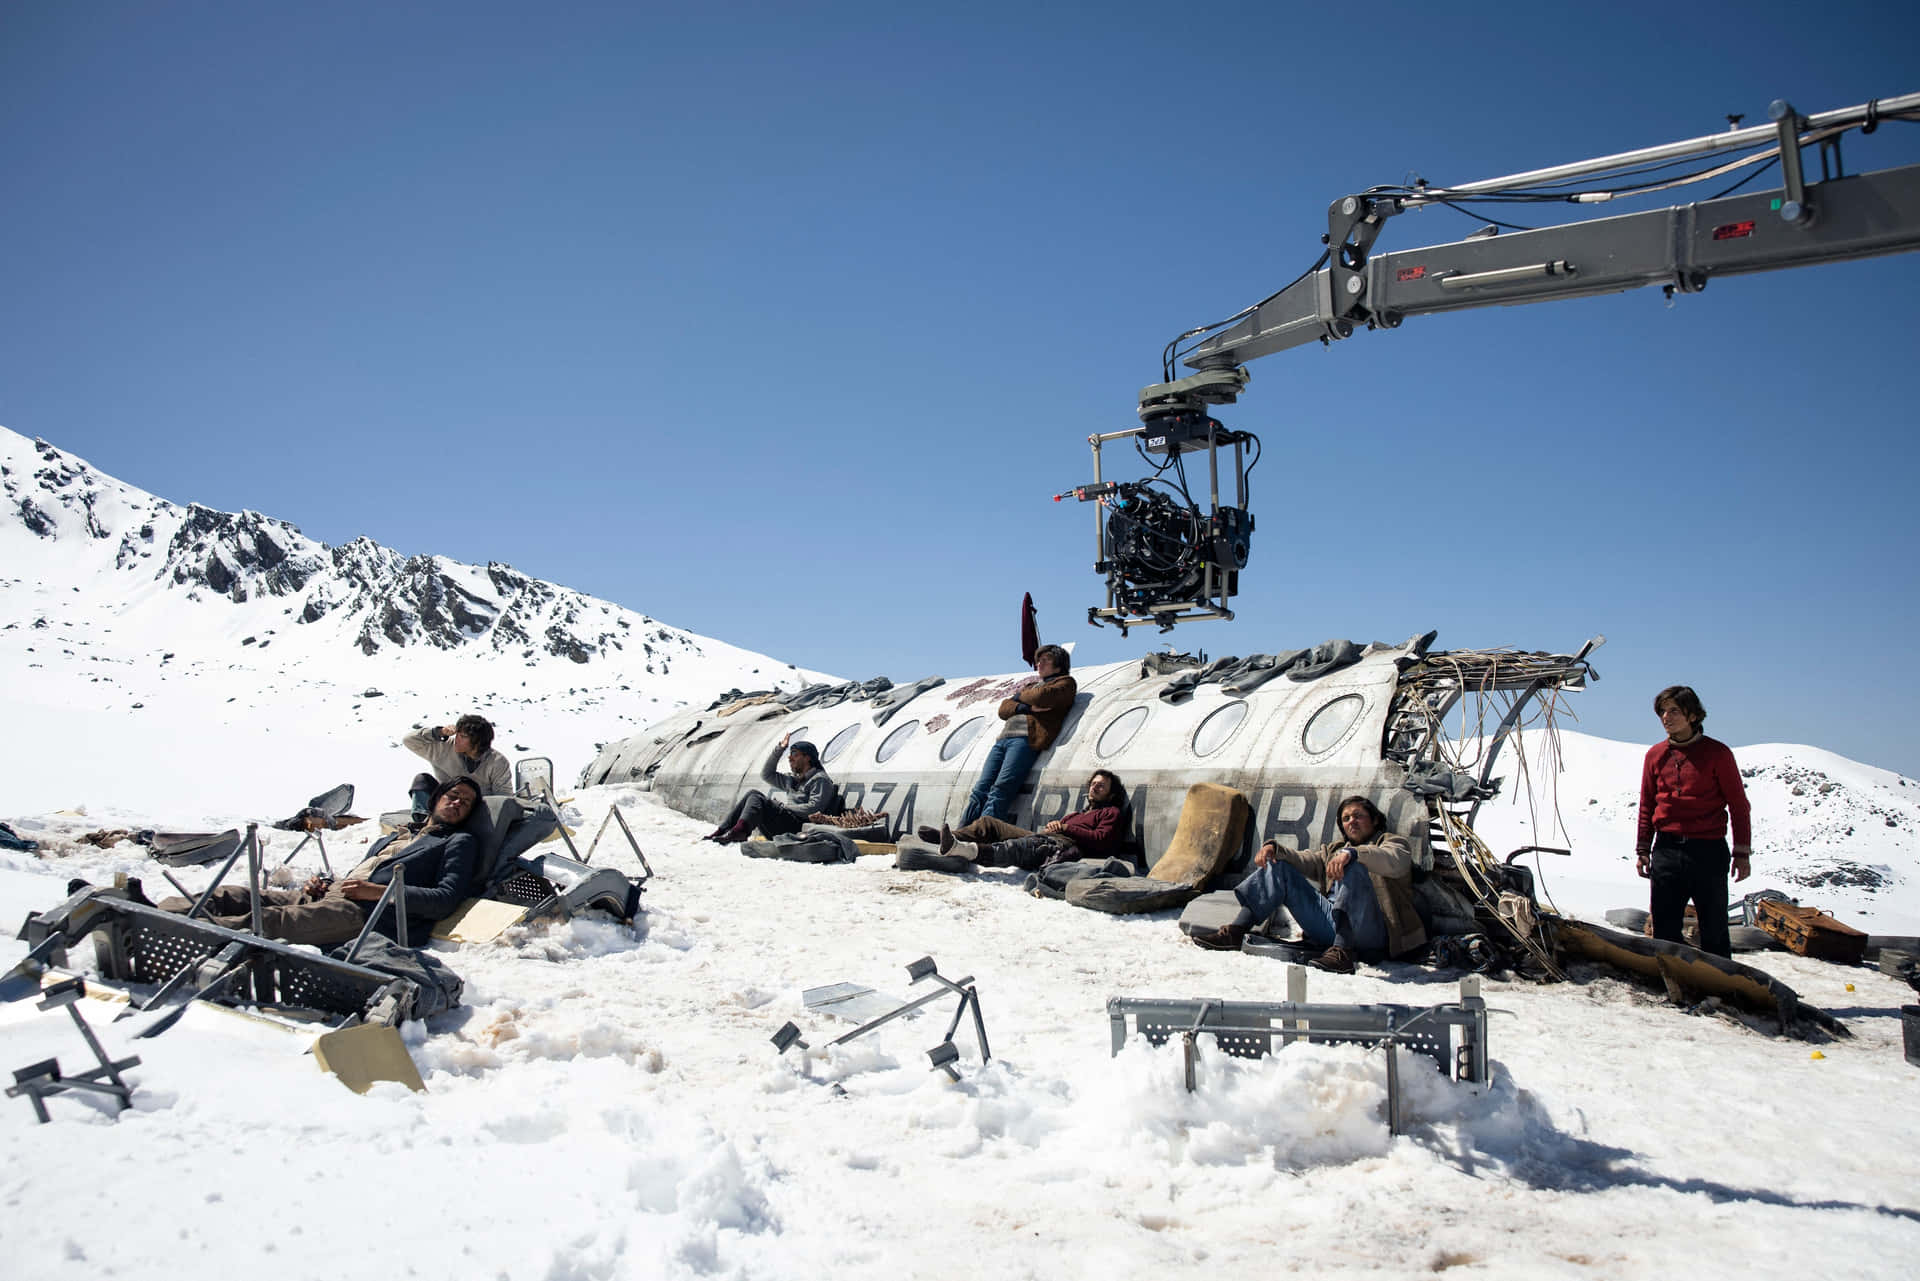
[1227,938]
[735,834]
[920,858]
[927,833]
[1335,960]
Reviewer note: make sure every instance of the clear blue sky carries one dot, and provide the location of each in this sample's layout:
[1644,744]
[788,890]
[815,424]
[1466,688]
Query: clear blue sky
[782,323]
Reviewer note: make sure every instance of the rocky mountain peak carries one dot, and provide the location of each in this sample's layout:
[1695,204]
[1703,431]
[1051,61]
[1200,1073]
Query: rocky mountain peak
[372,597]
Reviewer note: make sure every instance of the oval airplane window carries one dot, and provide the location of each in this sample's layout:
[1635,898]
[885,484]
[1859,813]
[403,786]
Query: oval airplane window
[1120,731]
[895,741]
[838,743]
[1331,723]
[957,741]
[1218,728]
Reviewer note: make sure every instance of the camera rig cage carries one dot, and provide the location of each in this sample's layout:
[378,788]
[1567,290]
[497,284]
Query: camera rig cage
[1165,559]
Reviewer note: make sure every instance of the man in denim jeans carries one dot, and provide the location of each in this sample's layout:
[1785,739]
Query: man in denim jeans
[1366,907]
[1032,720]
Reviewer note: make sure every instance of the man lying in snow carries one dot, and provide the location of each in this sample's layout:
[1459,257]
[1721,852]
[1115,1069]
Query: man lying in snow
[1368,911]
[324,912]
[1096,831]
[809,791]
[463,749]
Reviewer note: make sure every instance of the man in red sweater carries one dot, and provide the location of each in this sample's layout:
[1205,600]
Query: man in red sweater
[1689,787]
[1094,832]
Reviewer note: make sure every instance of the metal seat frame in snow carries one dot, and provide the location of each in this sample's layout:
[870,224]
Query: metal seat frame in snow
[40,1081]
[331,804]
[1454,1036]
[192,959]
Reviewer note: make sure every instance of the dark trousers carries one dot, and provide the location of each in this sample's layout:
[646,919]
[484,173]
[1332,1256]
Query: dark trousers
[758,811]
[1683,868]
[1003,844]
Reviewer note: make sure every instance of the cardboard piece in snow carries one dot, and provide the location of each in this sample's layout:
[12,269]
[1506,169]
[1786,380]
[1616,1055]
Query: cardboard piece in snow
[479,920]
[362,1055]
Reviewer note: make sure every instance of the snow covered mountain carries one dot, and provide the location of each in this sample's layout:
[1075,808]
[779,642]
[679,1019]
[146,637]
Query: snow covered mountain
[201,632]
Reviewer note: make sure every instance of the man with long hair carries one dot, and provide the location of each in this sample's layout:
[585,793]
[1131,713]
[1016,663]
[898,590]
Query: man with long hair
[1096,830]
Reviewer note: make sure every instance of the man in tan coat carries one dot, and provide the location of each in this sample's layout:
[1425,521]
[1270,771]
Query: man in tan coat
[1031,720]
[1352,896]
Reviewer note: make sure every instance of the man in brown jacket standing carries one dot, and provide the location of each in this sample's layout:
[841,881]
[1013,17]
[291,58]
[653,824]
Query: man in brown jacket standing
[1032,720]
[1368,903]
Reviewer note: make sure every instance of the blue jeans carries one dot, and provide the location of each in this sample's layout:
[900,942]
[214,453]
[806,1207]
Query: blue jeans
[998,786]
[1349,916]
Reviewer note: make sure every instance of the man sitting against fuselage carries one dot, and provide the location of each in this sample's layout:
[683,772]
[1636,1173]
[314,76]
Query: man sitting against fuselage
[1352,897]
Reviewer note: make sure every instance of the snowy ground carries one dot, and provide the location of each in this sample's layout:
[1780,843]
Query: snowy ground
[607,1104]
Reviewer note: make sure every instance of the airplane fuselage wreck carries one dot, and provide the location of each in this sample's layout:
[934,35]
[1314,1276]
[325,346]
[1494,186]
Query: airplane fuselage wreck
[1294,733]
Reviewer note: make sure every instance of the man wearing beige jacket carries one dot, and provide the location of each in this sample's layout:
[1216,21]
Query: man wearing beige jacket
[462,749]
[1353,896]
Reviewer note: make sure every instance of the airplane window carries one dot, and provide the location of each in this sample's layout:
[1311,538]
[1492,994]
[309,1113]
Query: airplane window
[1331,723]
[838,743]
[1120,731]
[1218,728]
[895,741]
[957,741]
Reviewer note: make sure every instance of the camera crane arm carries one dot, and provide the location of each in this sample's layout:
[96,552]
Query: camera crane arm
[1680,247]
[1166,562]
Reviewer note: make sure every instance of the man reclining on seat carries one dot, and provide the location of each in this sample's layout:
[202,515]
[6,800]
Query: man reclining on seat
[809,791]
[1095,831]
[324,912]
[1368,911]
[462,749]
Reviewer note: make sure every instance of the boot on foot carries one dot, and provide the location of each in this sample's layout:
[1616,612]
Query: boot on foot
[1227,938]
[1335,960]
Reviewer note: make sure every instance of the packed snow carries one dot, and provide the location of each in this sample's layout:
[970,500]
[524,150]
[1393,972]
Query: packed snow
[607,1104]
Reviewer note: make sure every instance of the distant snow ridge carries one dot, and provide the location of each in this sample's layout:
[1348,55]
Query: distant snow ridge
[375,595]
[1827,819]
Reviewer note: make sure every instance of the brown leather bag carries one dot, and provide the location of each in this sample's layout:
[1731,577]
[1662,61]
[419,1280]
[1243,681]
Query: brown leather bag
[1807,931]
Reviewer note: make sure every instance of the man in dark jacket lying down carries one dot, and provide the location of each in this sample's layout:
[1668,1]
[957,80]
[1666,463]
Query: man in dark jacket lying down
[440,863]
[1096,831]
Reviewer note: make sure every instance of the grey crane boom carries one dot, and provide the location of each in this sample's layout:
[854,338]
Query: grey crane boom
[1166,559]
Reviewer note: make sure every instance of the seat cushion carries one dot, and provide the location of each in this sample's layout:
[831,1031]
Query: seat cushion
[1213,822]
[1124,895]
